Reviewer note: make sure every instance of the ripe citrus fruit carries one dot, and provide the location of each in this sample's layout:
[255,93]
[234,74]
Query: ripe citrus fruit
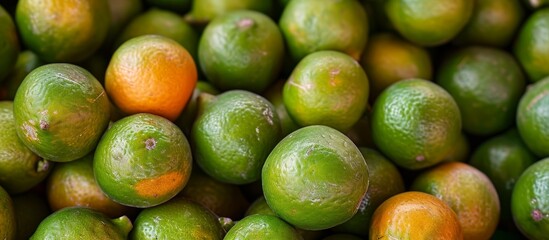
[241,50]
[7,216]
[312,25]
[415,123]
[431,22]
[262,227]
[388,59]
[503,158]
[73,184]
[60,112]
[468,192]
[20,168]
[26,62]
[82,223]
[487,84]
[223,199]
[532,116]
[414,215]
[152,74]
[530,45]
[530,201]
[493,23]
[142,160]
[385,182]
[164,23]
[233,136]
[178,218]
[315,178]
[30,209]
[328,88]
[9,44]
[203,11]
[63,30]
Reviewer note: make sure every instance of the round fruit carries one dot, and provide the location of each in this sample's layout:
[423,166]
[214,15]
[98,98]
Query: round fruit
[142,160]
[493,23]
[164,23]
[241,50]
[468,192]
[388,59]
[385,182]
[487,84]
[60,112]
[530,201]
[20,168]
[315,178]
[73,184]
[7,216]
[233,136]
[532,117]
[63,30]
[415,215]
[415,123]
[262,227]
[82,223]
[9,43]
[178,218]
[430,22]
[327,88]
[531,48]
[152,74]
[503,158]
[312,25]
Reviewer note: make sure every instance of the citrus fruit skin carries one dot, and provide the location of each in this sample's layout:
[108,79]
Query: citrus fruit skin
[7,216]
[469,193]
[389,58]
[259,206]
[233,136]
[152,74]
[20,168]
[530,201]
[487,84]
[9,43]
[142,160]
[492,23]
[326,88]
[203,11]
[26,62]
[503,158]
[414,215]
[532,117]
[73,184]
[60,112]
[178,218]
[385,181]
[415,123]
[429,23]
[241,50]
[262,227]
[530,45]
[315,178]
[311,25]
[82,223]
[164,23]
[61,30]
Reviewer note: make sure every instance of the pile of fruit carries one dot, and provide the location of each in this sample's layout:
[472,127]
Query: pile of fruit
[274,119]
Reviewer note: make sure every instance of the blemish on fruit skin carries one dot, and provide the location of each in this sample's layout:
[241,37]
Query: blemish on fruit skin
[537,215]
[44,125]
[150,144]
[30,132]
[159,186]
[245,23]
[420,158]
